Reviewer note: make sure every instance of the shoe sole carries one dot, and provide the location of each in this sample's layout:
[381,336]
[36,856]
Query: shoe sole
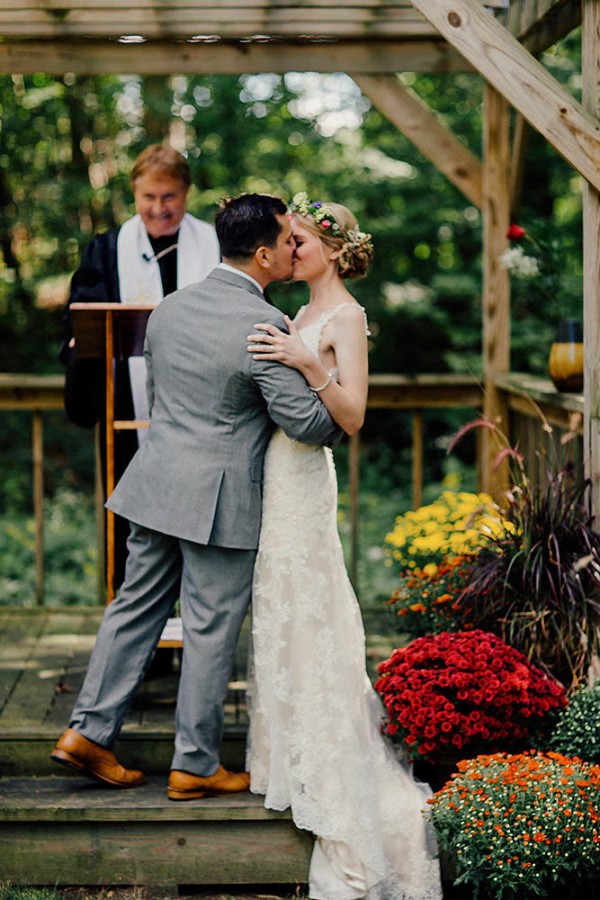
[64,758]
[186,795]
[174,794]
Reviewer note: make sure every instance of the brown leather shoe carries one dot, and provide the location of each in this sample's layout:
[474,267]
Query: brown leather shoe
[77,752]
[184,786]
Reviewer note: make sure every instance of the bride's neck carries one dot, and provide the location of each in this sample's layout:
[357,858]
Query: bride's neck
[326,290]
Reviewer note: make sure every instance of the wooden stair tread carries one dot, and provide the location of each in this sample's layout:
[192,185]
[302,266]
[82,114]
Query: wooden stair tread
[73,831]
[71,798]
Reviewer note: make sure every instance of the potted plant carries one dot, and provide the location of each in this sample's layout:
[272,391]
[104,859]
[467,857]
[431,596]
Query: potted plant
[426,599]
[455,694]
[522,826]
[536,581]
[577,729]
[458,522]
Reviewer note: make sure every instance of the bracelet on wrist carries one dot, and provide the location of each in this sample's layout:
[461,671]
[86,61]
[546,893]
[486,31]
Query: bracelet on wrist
[317,390]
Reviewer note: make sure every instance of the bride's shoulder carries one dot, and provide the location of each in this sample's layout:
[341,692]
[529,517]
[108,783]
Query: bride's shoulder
[350,313]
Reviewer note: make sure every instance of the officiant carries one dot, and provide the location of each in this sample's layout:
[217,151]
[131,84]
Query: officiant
[160,249]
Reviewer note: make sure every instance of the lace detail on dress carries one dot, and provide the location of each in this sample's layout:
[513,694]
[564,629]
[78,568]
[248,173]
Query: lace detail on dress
[315,743]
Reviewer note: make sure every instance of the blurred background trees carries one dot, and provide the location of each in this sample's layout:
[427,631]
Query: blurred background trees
[66,146]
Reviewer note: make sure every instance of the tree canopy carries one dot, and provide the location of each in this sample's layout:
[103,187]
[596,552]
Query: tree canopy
[67,143]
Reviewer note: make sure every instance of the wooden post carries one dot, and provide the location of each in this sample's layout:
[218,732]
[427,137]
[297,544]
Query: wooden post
[38,502]
[496,291]
[417,458]
[110,455]
[353,466]
[591,261]
[99,499]
[517,168]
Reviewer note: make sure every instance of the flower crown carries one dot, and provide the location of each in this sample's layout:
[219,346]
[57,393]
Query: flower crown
[322,215]
[324,218]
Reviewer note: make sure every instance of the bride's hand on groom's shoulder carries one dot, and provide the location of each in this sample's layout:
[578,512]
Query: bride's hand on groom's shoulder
[269,342]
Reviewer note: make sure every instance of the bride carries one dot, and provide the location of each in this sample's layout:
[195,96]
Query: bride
[315,743]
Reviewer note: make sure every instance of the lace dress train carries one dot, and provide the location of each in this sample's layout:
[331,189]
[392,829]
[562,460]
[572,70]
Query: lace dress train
[315,743]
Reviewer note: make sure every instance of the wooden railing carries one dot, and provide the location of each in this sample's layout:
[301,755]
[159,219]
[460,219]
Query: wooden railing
[527,397]
[540,420]
[35,393]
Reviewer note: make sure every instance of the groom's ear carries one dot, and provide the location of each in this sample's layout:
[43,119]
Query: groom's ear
[261,256]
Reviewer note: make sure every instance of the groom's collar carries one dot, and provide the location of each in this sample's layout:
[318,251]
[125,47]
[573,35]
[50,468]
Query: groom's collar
[242,274]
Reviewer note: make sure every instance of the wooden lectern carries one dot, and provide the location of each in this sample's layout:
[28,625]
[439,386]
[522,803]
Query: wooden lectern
[110,331]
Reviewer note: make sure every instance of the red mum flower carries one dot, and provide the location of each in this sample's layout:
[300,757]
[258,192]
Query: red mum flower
[443,689]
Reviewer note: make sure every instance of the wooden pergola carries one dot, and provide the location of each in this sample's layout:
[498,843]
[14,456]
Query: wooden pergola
[373,40]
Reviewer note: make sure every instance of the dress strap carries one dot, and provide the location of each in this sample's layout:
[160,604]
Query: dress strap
[327,317]
[300,313]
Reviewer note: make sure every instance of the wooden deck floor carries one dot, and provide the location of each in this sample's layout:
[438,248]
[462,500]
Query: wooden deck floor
[57,828]
[43,659]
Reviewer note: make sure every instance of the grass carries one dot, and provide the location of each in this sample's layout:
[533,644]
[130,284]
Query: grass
[10,891]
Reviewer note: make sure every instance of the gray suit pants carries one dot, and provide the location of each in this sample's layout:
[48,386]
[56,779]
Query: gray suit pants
[214,585]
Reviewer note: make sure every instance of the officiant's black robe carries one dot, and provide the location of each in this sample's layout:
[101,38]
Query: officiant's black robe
[97,281]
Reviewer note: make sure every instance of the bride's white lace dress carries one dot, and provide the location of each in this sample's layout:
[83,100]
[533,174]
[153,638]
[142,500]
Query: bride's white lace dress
[315,743]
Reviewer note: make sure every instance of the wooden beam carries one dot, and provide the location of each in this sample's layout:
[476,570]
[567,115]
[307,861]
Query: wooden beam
[496,290]
[521,79]
[540,33]
[227,20]
[228,58]
[520,141]
[426,131]
[591,262]
[417,458]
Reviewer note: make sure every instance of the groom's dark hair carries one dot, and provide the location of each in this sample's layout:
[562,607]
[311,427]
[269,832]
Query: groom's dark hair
[248,222]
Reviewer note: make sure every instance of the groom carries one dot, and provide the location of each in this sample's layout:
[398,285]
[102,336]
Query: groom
[192,494]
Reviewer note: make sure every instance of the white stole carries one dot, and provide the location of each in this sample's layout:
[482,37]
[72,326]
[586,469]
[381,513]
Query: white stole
[139,280]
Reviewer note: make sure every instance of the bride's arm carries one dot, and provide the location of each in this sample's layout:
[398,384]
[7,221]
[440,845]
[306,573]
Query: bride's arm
[345,400]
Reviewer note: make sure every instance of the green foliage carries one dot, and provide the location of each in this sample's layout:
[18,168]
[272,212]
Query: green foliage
[66,146]
[70,544]
[10,891]
[521,827]
[15,892]
[577,731]
[426,602]
[554,283]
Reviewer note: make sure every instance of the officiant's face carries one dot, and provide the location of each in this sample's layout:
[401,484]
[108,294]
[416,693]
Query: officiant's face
[160,201]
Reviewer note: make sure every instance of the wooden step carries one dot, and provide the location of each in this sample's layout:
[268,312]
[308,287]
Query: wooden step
[72,831]
[26,751]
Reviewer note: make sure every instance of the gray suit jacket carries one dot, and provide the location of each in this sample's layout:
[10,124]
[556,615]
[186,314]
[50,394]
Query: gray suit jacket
[198,475]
